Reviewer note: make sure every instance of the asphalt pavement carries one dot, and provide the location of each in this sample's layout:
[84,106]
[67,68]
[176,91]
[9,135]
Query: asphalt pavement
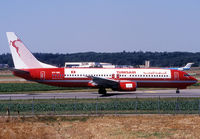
[94,95]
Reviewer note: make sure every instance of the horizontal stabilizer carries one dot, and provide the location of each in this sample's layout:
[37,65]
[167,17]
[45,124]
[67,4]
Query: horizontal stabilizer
[20,71]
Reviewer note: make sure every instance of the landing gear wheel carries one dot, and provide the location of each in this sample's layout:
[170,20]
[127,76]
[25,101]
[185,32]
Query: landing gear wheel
[102,91]
[177,91]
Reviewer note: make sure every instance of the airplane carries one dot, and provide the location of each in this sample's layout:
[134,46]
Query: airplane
[118,79]
[186,67]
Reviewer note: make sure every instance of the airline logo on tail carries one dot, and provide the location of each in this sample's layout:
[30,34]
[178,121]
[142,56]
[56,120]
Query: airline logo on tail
[22,57]
[13,43]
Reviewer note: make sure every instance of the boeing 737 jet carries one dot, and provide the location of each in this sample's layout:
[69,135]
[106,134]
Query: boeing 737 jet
[118,79]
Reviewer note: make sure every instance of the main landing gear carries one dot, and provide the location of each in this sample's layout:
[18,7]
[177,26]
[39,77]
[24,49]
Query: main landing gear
[177,91]
[102,91]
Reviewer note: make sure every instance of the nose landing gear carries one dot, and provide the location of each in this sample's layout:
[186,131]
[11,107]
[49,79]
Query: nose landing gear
[177,91]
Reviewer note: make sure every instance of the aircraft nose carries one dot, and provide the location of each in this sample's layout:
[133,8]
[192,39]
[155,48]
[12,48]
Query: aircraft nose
[194,79]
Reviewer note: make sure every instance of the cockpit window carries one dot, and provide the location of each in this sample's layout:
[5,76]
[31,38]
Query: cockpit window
[186,75]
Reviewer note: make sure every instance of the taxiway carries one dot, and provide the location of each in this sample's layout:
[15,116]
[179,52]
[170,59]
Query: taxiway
[94,95]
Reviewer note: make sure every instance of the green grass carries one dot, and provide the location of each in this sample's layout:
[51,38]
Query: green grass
[27,87]
[142,134]
[7,75]
[102,106]
[197,84]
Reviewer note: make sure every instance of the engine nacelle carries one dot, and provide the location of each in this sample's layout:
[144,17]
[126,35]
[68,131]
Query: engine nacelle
[127,86]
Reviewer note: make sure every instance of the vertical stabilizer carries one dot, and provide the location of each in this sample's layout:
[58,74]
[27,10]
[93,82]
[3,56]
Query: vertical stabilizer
[188,65]
[22,57]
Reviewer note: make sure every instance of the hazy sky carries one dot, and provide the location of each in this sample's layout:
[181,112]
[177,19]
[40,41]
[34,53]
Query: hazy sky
[63,26]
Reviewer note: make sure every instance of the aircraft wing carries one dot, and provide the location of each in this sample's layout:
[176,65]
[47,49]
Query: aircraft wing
[104,81]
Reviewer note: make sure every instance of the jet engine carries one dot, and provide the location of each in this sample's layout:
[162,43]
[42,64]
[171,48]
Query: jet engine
[127,86]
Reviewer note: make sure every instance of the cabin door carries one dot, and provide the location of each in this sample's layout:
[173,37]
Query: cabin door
[117,76]
[176,75]
[113,76]
[42,75]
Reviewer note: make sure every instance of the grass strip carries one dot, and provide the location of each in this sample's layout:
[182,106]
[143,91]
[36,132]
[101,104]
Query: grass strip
[102,106]
[26,87]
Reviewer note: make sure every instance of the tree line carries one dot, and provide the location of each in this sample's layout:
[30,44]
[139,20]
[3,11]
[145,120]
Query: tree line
[157,59]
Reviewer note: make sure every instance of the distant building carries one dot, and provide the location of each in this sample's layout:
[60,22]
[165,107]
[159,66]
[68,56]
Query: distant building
[146,65]
[141,66]
[89,64]
[79,64]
